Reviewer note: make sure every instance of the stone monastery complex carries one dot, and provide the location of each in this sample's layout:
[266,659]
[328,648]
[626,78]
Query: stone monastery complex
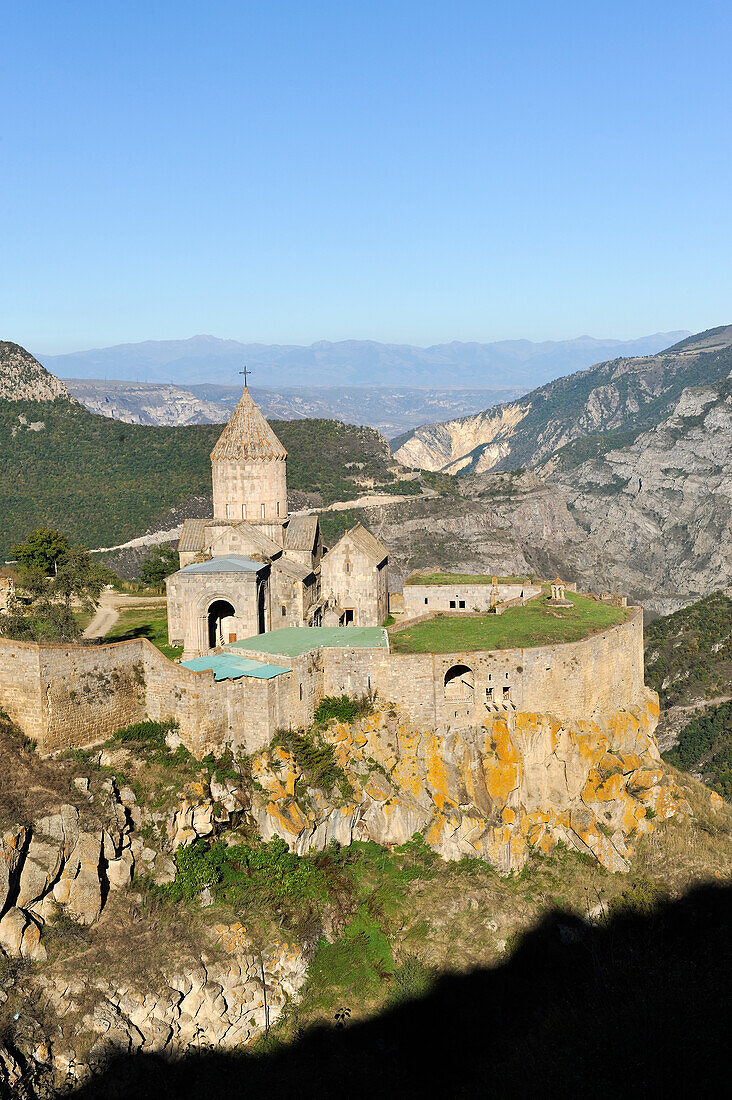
[252,568]
[486,751]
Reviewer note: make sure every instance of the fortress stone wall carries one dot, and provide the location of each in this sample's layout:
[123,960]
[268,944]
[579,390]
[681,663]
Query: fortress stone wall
[76,696]
[574,680]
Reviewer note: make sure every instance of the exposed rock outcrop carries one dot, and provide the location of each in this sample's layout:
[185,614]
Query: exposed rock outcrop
[62,862]
[519,782]
[223,1001]
[22,378]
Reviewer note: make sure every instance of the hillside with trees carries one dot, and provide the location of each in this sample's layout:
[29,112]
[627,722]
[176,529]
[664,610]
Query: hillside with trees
[689,653]
[101,482]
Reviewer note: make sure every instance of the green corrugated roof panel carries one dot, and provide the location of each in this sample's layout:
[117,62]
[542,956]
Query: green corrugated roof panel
[233,668]
[293,641]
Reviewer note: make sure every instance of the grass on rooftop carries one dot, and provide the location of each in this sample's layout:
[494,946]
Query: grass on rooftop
[519,627]
[461,578]
[145,622]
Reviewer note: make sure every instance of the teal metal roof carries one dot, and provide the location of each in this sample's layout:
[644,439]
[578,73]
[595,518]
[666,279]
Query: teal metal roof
[233,668]
[293,641]
[231,563]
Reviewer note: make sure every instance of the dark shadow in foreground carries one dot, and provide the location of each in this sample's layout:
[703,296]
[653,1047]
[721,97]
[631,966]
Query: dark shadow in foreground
[636,1007]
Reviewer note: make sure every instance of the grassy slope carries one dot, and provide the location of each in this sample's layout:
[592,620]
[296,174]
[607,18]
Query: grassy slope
[535,624]
[145,622]
[102,482]
[689,653]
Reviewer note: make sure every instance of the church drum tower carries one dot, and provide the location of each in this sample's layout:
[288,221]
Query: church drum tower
[249,472]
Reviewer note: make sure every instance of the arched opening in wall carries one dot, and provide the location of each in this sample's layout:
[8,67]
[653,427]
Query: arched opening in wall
[459,683]
[220,623]
[261,619]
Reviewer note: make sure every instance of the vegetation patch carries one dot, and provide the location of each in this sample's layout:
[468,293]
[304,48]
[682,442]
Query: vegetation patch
[145,622]
[689,653]
[538,623]
[705,746]
[112,481]
[317,760]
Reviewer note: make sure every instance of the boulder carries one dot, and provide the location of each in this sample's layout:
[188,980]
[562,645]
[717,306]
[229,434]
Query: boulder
[12,851]
[20,936]
[40,868]
[79,887]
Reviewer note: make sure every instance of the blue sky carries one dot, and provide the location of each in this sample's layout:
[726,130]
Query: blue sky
[412,172]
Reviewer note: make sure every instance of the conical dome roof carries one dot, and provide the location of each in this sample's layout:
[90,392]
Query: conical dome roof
[247,435]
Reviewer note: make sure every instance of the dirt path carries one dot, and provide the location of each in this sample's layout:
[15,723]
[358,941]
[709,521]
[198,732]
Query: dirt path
[110,605]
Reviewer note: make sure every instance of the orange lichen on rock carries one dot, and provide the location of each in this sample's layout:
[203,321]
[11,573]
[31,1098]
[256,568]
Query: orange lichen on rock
[501,764]
[514,783]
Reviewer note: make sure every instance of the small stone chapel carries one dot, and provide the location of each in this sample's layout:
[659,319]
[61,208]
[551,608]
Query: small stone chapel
[252,567]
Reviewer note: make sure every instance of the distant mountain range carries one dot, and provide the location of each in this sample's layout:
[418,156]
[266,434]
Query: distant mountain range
[507,363]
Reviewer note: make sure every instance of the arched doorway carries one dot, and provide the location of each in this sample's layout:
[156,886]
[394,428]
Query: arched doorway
[218,627]
[261,608]
[459,683]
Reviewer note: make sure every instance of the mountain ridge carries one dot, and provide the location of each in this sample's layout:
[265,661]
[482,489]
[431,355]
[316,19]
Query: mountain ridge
[352,362]
[611,395]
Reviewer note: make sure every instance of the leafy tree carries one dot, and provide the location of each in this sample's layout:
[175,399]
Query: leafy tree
[158,564]
[46,606]
[44,550]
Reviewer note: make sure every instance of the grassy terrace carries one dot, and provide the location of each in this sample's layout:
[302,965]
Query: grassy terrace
[518,627]
[461,578]
[145,622]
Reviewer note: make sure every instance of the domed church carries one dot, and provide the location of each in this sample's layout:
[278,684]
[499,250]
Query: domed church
[252,567]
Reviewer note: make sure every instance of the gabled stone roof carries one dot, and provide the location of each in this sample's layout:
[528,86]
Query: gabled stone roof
[301,533]
[247,435]
[292,568]
[195,539]
[367,543]
[264,544]
[192,537]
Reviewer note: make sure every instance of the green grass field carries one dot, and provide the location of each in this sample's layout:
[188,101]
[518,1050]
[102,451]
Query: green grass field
[461,578]
[144,622]
[519,627]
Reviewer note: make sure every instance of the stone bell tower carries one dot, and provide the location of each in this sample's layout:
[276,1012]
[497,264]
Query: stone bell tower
[249,472]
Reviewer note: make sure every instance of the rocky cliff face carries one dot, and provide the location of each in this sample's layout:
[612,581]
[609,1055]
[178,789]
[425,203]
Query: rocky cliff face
[22,378]
[519,782]
[635,457]
[147,404]
[623,394]
[663,504]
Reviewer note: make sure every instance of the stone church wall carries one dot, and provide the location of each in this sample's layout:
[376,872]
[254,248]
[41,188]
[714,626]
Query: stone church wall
[364,589]
[428,598]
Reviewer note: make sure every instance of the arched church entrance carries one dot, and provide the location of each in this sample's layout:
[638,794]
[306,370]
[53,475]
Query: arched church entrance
[220,623]
[459,683]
